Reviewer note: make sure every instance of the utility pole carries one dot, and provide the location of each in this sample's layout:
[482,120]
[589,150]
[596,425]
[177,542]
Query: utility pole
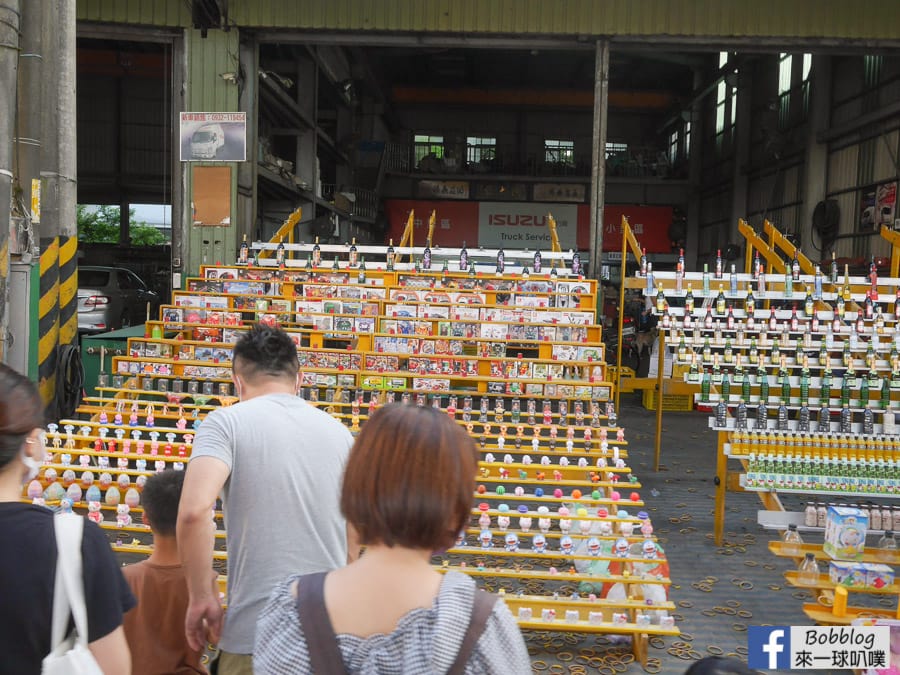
[9,63]
[598,160]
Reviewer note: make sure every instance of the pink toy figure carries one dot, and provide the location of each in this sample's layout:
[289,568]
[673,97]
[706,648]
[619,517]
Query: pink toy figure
[140,447]
[123,519]
[122,463]
[557,475]
[554,431]
[620,435]
[133,419]
[484,521]
[117,420]
[84,460]
[94,513]
[154,447]
[646,528]
[181,424]
[603,434]
[503,523]
[103,419]
[126,446]
[150,420]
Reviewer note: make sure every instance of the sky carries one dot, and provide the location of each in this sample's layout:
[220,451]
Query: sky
[153,214]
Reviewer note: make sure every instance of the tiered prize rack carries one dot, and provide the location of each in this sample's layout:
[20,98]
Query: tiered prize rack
[557,525]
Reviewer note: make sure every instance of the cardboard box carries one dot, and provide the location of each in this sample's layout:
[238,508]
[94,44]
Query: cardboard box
[878,576]
[849,574]
[845,533]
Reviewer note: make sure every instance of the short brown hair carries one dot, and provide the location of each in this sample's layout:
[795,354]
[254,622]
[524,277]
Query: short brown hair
[410,478]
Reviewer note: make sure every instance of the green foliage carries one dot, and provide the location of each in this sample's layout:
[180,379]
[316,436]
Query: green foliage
[101,226]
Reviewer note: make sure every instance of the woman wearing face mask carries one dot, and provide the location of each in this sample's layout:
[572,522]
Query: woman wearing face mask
[28,554]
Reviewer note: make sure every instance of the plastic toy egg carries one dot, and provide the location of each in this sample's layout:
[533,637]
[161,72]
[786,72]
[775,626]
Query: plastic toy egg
[615,496]
[558,493]
[481,489]
[539,492]
[501,490]
[132,497]
[124,480]
[140,481]
[576,494]
[635,497]
[622,513]
[34,489]
[87,479]
[519,491]
[105,479]
[68,477]
[563,511]
[113,496]
[581,512]
[92,494]
[54,492]
[503,508]
[74,492]
[596,494]
[50,474]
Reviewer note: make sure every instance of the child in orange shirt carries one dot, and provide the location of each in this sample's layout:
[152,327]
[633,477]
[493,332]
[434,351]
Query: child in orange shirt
[155,628]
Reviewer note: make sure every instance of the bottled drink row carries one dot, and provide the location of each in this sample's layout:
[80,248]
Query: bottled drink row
[821,471]
[422,263]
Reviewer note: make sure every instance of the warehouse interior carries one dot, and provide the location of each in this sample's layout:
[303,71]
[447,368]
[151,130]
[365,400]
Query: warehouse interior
[347,130]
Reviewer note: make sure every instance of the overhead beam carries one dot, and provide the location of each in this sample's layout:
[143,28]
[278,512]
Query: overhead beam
[572,98]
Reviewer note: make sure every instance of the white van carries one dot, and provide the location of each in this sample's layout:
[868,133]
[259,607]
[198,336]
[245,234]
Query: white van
[206,141]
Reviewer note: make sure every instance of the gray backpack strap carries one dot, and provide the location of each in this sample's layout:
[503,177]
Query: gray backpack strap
[321,643]
[482,606]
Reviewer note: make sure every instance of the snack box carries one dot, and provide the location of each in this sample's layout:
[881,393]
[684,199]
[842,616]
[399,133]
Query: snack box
[845,533]
[878,575]
[850,574]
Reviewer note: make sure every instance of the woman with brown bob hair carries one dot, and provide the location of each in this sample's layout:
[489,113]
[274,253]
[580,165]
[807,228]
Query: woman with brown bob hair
[407,490]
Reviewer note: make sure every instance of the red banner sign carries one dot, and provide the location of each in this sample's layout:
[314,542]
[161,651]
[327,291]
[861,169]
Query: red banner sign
[458,221]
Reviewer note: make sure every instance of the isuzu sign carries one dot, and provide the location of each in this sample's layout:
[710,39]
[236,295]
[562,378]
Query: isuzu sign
[524,225]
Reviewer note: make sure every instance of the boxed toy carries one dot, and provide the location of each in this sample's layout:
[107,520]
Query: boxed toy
[845,533]
[878,576]
[850,574]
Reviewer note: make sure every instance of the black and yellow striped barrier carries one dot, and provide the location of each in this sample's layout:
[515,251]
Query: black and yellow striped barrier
[68,290]
[48,318]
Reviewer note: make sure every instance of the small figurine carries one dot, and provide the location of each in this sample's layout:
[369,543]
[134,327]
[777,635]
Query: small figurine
[94,513]
[65,505]
[512,542]
[503,523]
[484,521]
[620,548]
[525,523]
[486,539]
[593,546]
[539,543]
[566,545]
[543,520]
[123,518]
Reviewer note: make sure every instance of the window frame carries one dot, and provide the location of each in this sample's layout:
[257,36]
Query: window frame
[559,151]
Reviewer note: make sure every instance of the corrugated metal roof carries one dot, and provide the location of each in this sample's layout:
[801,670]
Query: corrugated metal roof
[711,19]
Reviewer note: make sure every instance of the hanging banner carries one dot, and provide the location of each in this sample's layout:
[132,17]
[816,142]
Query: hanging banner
[525,225]
[443,189]
[559,192]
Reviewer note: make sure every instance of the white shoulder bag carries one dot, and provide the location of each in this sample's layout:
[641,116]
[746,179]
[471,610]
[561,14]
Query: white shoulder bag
[69,655]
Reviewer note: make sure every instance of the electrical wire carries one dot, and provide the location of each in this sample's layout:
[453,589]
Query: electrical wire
[69,381]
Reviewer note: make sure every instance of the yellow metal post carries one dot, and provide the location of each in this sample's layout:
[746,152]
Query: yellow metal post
[285,231]
[893,238]
[431,221]
[406,238]
[554,239]
[659,398]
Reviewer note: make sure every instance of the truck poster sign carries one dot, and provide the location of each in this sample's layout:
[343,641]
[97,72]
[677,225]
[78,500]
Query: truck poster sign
[213,137]
[521,225]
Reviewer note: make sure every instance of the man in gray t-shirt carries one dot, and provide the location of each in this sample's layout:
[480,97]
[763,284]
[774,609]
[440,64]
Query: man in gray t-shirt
[277,463]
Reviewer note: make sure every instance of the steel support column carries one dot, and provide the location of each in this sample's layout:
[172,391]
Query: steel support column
[598,160]
[9,59]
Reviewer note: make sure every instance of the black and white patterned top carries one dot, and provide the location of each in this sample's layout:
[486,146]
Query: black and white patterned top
[425,640]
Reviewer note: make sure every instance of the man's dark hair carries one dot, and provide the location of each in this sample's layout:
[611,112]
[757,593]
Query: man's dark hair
[264,350]
[720,665]
[160,498]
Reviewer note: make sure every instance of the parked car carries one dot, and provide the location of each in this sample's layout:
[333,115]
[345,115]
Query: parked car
[111,298]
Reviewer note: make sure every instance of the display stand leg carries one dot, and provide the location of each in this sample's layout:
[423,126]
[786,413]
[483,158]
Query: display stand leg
[661,336]
[639,647]
[721,487]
